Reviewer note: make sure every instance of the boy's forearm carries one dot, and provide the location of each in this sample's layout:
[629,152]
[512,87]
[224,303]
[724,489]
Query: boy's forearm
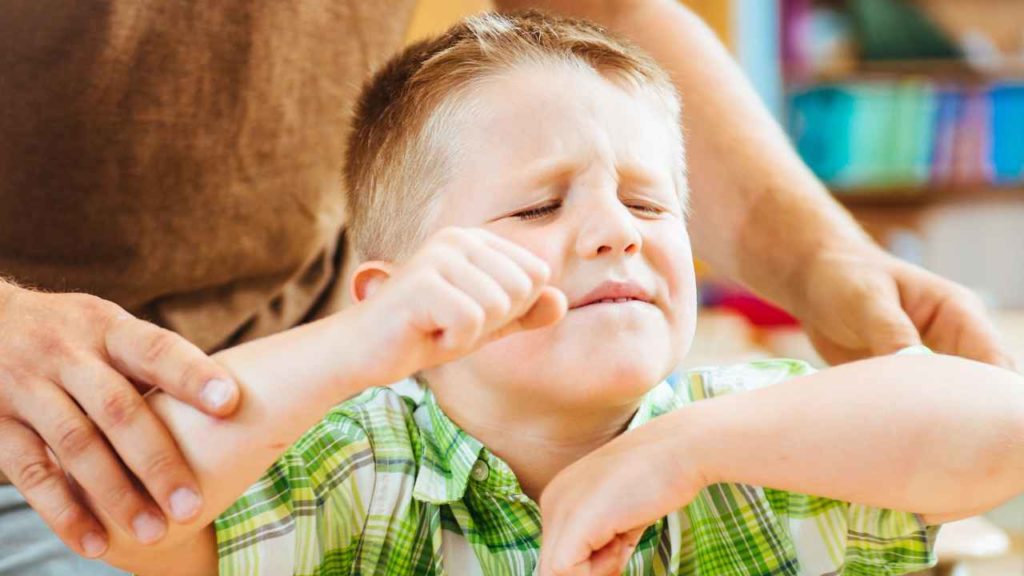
[288,382]
[934,435]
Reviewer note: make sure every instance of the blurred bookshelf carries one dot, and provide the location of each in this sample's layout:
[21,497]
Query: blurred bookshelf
[911,112]
[892,102]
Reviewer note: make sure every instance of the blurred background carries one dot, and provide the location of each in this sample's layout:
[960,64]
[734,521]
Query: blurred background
[912,112]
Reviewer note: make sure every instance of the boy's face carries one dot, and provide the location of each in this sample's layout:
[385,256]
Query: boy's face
[582,173]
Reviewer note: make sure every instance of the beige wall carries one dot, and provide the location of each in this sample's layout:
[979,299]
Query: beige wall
[433,16]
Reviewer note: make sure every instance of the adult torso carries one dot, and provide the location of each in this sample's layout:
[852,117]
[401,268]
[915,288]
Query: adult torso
[183,158]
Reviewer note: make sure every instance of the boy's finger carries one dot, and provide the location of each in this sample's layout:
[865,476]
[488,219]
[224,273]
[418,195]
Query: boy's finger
[570,543]
[549,309]
[482,289]
[608,560]
[455,314]
[517,284]
[534,266]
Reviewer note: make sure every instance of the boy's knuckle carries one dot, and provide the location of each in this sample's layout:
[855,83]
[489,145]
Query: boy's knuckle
[519,288]
[498,305]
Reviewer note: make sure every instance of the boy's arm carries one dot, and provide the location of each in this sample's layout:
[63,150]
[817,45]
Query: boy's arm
[934,435]
[288,382]
[416,319]
[939,436]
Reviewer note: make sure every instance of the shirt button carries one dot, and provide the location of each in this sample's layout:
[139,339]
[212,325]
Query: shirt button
[480,471]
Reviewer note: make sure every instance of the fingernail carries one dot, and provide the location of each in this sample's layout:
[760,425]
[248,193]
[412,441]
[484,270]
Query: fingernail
[93,544]
[216,393]
[148,527]
[184,503]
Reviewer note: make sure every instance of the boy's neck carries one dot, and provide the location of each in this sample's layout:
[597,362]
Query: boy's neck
[537,443]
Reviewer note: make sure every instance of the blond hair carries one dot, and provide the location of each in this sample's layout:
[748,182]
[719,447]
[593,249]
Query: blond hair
[398,154]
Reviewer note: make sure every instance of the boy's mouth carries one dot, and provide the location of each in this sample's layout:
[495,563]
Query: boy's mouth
[612,292]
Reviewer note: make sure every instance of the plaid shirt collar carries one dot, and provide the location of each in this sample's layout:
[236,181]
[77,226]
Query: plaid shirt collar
[451,460]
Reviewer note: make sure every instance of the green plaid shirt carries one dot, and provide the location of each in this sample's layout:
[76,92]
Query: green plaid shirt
[387,484]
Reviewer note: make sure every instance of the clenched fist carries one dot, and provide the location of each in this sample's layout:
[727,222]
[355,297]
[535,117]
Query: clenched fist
[465,287]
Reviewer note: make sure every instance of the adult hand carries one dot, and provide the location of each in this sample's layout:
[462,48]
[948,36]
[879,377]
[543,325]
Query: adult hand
[75,432]
[869,303]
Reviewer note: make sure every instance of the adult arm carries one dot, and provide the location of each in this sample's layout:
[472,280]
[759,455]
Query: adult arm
[762,218]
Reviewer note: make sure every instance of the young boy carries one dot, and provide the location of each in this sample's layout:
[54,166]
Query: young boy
[518,199]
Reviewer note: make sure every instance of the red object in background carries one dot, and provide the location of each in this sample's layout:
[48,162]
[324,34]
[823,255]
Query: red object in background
[757,311]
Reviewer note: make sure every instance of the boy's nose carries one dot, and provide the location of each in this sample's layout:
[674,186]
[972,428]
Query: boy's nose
[609,232]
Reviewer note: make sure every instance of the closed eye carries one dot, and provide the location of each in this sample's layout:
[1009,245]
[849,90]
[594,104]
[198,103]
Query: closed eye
[536,213]
[645,208]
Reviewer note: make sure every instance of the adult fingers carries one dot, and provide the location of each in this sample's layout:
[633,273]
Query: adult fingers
[158,357]
[885,326]
[961,327]
[138,436]
[84,454]
[27,465]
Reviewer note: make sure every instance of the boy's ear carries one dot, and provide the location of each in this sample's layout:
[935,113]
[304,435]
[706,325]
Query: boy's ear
[368,277]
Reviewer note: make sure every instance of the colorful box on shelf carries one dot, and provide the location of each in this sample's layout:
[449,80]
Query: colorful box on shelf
[910,132]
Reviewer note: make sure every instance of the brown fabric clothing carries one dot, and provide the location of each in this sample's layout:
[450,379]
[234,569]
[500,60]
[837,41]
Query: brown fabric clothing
[181,157]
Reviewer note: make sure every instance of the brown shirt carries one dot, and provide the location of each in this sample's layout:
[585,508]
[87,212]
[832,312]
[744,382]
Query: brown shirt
[183,158]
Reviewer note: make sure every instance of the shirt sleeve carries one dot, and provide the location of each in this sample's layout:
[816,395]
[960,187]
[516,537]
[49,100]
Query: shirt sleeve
[307,511]
[858,540]
[829,534]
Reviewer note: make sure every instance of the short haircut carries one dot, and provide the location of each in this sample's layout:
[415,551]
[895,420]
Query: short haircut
[399,150]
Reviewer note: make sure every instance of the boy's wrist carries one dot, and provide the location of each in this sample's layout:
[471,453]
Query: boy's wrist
[686,440]
[374,360]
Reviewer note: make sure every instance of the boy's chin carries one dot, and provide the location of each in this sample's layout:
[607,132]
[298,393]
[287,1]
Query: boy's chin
[602,382]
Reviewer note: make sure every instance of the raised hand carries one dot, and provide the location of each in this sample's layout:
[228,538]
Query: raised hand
[465,287]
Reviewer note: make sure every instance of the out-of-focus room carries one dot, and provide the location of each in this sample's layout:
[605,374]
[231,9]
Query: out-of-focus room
[912,112]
